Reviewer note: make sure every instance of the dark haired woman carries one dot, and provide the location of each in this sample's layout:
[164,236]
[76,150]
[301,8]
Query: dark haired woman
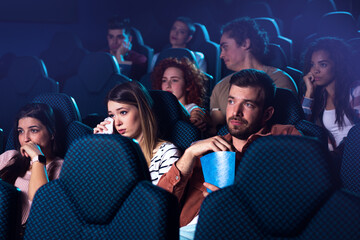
[332,97]
[35,161]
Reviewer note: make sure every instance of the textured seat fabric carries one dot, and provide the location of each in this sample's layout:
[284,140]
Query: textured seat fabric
[63,56]
[26,78]
[98,74]
[104,192]
[172,120]
[10,211]
[67,119]
[284,188]
[312,130]
[350,169]
[63,104]
[287,107]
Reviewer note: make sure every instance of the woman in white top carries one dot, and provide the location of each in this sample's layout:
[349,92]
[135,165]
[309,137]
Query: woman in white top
[129,108]
[36,160]
[180,35]
[332,97]
[183,79]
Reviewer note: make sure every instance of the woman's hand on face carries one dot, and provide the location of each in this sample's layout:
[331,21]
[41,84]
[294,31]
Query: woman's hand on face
[310,86]
[30,150]
[100,128]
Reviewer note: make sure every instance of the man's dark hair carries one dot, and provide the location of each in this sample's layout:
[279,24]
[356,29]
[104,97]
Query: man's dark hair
[116,22]
[189,23]
[242,28]
[256,78]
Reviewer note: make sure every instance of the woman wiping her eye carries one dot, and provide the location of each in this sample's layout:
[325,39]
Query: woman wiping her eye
[129,105]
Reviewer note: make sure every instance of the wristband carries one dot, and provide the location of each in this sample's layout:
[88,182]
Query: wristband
[39,158]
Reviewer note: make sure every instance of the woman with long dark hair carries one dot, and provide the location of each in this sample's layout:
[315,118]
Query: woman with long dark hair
[332,97]
[36,160]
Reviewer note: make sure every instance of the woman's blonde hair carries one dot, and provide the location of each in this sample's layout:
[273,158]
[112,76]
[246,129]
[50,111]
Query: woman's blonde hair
[134,93]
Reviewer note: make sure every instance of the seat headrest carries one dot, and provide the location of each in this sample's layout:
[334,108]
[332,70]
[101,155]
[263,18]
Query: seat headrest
[269,25]
[64,106]
[287,107]
[25,72]
[279,175]
[64,44]
[177,53]
[275,56]
[340,24]
[96,69]
[200,36]
[99,173]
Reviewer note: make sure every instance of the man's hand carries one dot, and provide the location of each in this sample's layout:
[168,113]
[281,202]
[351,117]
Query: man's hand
[200,148]
[211,187]
[124,49]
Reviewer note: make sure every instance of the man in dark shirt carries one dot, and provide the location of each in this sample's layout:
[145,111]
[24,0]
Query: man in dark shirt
[131,63]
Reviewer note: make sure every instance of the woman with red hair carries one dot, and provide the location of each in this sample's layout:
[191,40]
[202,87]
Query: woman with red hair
[183,79]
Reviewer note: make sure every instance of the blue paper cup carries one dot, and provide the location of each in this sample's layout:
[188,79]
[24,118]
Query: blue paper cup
[219,168]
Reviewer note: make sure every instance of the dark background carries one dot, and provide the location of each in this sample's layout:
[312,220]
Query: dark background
[27,26]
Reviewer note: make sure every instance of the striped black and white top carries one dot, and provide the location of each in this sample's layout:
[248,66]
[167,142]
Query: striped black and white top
[161,162]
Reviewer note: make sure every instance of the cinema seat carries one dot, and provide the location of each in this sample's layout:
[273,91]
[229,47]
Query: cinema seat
[104,192]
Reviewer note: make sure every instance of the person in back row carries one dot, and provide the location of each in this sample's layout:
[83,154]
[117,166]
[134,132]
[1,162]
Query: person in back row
[180,35]
[243,46]
[131,63]
[249,109]
[129,108]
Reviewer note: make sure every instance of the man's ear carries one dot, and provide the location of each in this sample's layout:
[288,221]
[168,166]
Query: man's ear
[189,39]
[247,43]
[130,38]
[268,113]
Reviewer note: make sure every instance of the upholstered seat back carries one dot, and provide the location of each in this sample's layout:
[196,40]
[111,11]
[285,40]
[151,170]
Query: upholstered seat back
[103,192]
[350,169]
[280,184]
[173,120]
[87,179]
[98,74]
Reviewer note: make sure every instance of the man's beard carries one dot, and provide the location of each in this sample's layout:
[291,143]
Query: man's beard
[245,131]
